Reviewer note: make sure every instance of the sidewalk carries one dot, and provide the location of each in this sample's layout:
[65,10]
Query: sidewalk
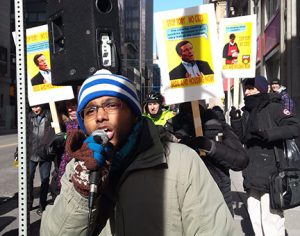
[241,216]
[9,213]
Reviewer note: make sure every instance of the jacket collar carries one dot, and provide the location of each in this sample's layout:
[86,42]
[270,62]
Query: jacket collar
[150,151]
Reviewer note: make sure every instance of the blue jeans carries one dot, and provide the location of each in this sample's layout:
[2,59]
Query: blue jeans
[44,168]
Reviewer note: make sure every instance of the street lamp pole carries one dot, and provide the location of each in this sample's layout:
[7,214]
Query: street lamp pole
[140,49]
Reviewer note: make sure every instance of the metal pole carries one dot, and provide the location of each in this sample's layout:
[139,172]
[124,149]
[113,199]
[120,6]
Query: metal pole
[283,57]
[21,98]
[140,51]
[262,45]
[228,99]
[288,40]
[236,90]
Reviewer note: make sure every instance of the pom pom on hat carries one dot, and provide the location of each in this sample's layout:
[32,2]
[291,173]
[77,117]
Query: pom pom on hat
[104,83]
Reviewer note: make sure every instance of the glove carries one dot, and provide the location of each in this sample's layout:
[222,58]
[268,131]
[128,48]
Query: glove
[261,135]
[234,113]
[98,150]
[197,143]
[165,135]
[212,128]
[168,137]
[77,147]
[57,144]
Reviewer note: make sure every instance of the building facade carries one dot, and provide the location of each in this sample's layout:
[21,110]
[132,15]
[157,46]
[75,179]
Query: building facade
[136,49]
[8,108]
[279,43]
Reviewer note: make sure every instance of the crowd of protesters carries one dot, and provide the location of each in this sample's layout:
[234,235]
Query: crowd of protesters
[152,181]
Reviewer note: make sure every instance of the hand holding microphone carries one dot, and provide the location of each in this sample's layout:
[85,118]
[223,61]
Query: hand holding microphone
[90,166]
[98,142]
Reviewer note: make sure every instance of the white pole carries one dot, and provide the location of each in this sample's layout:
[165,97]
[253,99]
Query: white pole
[21,98]
[228,99]
[236,92]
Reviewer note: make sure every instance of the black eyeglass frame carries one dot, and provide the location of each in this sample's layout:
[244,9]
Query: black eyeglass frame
[110,107]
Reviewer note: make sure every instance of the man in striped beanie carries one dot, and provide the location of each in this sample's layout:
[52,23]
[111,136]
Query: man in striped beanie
[101,85]
[147,186]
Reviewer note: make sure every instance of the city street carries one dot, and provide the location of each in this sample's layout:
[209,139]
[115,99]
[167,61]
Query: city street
[201,59]
[9,191]
[9,198]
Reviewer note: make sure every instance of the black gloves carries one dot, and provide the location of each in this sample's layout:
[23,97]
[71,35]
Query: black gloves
[212,128]
[57,145]
[201,142]
[261,135]
[234,113]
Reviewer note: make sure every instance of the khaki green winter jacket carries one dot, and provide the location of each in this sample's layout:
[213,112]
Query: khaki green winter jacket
[158,195]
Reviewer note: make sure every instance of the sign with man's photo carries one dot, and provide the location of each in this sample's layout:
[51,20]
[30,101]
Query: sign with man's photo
[39,78]
[238,40]
[186,43]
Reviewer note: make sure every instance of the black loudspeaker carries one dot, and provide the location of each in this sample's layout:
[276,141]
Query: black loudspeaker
[84,36]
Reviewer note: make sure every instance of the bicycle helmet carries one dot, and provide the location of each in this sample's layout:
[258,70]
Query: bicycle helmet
[154,97]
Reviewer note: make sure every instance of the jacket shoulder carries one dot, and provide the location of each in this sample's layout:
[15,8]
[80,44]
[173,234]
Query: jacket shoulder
[183,158]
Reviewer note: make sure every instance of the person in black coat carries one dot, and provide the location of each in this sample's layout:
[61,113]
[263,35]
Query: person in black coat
[223,149]
[40,121]
[264,124]
[189,67]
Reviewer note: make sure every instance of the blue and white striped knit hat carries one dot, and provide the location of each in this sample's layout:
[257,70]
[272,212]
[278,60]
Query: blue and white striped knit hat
[104,83]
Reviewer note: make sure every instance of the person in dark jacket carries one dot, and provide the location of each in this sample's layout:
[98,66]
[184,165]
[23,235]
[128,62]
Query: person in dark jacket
[288,102]
[40,120]
[264,124]
[71,125]
[224,150]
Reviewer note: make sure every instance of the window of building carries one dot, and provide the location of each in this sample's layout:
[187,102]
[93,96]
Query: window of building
[271,8]
[273,66]
[1,100]
[3,60]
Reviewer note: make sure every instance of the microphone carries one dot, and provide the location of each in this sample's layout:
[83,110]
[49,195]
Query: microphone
[101,138]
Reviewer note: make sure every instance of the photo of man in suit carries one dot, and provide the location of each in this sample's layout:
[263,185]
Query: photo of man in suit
[44,74]
[189,67]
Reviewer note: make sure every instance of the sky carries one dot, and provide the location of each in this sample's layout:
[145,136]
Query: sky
[164,5]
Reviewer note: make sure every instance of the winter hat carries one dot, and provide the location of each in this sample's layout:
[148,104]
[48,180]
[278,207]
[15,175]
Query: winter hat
[259,82]
[276,81]
[104,83]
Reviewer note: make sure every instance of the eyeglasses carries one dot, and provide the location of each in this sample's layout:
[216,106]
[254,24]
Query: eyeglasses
[110,107]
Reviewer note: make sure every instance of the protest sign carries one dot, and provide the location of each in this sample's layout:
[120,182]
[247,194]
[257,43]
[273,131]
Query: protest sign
[187,49]
[40,89]
[238,37]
